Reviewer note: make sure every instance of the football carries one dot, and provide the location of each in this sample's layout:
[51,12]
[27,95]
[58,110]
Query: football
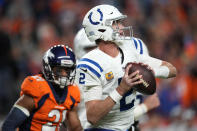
[148,87]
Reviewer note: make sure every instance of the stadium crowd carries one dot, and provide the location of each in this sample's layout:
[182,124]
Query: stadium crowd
[168,27]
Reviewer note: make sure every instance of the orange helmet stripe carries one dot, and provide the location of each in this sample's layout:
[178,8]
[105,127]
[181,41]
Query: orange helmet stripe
[65,50]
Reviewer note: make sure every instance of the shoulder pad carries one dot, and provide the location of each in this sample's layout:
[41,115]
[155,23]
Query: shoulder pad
[30,86]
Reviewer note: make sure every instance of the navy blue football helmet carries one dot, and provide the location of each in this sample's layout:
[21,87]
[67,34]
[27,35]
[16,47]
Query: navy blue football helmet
[59,57]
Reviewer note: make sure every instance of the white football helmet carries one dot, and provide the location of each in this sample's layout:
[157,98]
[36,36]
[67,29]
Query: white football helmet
[81,42]
[98,23]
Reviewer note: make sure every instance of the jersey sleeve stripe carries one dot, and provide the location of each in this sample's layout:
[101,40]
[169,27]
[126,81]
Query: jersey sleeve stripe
[135,42]
[90,68]
[42,100]
[73,100]
[92,62]
[141,48]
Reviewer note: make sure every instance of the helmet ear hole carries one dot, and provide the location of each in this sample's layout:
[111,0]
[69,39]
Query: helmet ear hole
[102,30]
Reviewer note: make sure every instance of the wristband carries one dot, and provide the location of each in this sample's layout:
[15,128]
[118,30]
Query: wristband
[116,97]
[139,110]
[162,72]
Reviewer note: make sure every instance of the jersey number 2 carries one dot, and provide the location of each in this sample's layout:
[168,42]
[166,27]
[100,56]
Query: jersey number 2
[82,78]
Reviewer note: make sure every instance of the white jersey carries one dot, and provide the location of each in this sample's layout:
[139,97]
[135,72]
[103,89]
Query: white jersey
[98,74]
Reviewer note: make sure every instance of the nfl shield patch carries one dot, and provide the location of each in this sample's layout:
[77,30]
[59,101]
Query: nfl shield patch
[109,76]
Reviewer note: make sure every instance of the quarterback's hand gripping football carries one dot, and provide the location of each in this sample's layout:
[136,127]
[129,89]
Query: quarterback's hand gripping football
[129,80]
[148,67]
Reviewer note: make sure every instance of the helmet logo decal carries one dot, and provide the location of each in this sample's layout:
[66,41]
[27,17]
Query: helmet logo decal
[48,54]
[95,22]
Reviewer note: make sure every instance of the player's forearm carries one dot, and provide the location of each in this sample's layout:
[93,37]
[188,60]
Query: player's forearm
[73,122]
[172,69]
[15,118]
[166,70]
[98,108]
[162,69]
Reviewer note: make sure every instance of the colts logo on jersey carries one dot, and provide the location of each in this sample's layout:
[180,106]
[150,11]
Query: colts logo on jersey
[109,76]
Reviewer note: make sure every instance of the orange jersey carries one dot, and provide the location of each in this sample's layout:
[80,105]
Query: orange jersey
[50,109]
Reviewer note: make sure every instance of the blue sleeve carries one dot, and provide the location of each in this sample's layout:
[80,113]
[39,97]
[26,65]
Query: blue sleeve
[14,119]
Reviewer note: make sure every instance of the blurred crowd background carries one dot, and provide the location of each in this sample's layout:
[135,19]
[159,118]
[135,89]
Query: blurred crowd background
[168,27]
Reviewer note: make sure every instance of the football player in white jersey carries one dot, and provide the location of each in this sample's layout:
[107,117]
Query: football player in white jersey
[107,87]
[82,45]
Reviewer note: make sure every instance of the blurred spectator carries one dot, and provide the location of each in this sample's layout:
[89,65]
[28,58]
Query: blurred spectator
[169,97]
[190,92]
[8,72]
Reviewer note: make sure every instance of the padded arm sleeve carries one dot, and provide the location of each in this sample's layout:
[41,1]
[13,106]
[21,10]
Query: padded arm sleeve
[14,119]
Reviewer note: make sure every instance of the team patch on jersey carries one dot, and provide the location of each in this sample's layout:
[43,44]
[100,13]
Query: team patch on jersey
[109,76]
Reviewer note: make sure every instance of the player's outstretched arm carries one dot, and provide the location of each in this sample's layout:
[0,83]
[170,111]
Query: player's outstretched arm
[72,121]
[165,70]
[19,113]
[162,69]
[96,109]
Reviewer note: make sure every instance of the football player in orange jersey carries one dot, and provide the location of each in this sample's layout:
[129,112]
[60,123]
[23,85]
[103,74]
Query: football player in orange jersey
[49,98]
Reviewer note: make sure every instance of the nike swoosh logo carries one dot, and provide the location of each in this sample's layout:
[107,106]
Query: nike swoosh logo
[30,80]
[85,70]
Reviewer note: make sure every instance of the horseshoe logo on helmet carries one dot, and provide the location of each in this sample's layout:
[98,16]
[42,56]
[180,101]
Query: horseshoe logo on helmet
[95,22]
